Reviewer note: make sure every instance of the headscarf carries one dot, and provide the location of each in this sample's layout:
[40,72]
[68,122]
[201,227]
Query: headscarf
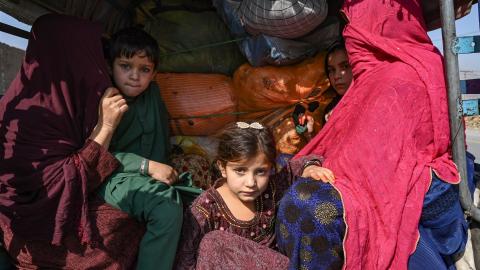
[389,132]
[46,117]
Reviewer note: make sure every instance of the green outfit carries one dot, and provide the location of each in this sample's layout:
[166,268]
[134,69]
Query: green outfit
[5,261]
[143,133]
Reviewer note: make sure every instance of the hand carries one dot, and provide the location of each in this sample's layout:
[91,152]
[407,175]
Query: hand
[111,109]
[310,122]
[319,173]
[162,172]
[328,115]
[110,112]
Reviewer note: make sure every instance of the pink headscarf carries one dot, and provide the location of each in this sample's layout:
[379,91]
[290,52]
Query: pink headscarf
[388,132]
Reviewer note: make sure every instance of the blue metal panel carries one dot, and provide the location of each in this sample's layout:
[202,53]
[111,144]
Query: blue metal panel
[468,44]
[470,107]
[463,86]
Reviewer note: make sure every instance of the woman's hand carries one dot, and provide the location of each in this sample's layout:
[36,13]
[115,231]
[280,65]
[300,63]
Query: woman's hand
[319,173]
[162,172]
[111,110]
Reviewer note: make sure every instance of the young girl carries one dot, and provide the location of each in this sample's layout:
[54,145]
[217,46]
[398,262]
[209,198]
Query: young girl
[339,74]
[243,202]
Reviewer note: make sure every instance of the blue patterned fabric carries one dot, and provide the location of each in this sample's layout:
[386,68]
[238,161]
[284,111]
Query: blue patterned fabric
[310,226]
[282,161]
[471,172]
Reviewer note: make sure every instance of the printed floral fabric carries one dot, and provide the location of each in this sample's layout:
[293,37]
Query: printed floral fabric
[223,250]
[199,167]
[310,226]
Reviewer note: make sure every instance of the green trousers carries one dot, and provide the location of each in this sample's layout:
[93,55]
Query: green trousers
[156,204]
[5,261]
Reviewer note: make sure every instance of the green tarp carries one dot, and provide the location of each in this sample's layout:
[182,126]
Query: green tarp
[177,32]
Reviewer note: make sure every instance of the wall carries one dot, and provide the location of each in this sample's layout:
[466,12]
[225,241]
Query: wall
[10,61]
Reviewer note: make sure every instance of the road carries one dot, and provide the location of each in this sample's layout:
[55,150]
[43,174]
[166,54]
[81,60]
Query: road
[473,143]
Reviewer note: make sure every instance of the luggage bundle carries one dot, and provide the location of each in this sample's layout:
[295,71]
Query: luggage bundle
[228,60]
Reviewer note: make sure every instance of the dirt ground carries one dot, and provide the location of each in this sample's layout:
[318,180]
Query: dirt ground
[472,122]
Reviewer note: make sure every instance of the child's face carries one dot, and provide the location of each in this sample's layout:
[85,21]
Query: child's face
[247,179]
[339,71]
[132,76]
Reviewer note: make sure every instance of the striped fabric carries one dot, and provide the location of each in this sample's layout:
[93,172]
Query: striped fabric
[282,18]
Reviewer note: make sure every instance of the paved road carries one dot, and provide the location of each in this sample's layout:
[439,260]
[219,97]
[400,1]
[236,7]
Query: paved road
[473,143]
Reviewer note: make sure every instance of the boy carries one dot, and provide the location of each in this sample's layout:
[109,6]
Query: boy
[141,186]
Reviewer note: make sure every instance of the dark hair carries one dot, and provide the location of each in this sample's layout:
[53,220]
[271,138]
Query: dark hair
[129,41]
[335,47]
[237,143]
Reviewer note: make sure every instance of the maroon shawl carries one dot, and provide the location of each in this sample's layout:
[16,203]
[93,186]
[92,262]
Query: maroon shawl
[47,163]
[388,132]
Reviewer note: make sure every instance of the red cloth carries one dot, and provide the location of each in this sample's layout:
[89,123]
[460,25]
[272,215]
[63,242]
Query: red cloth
[225,250]
[117,250]
[46,117]
[387,133]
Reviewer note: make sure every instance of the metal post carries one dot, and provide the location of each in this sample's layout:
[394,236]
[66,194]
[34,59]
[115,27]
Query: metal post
[475,227]
[456,112]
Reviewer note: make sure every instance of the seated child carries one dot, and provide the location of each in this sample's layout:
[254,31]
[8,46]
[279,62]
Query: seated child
[142,185]
[243,201]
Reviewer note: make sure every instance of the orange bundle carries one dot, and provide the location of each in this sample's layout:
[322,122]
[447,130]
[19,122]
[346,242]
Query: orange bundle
[198,104]
[271,94]
[269,88]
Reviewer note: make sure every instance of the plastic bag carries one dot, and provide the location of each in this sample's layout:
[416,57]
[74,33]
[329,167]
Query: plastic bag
[198,104]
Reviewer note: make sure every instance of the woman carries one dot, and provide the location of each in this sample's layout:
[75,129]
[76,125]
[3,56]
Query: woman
[386,143]
[53,154]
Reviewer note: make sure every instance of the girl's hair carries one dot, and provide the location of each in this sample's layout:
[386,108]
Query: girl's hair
[335,47]
[129,41]
[238,143]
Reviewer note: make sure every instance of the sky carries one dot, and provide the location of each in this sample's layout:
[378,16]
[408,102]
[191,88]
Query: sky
[466,26]
[12,40]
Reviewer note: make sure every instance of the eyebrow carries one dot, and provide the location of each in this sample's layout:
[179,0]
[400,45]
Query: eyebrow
[240,166]
[127,61]
[341,63]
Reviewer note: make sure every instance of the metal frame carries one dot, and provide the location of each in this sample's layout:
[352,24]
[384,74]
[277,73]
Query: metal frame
[14,31]
[451,49]
[457,126]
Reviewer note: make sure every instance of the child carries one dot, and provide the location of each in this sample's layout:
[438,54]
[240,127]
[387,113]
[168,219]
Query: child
[243,201]
[141,186]
[339,74]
